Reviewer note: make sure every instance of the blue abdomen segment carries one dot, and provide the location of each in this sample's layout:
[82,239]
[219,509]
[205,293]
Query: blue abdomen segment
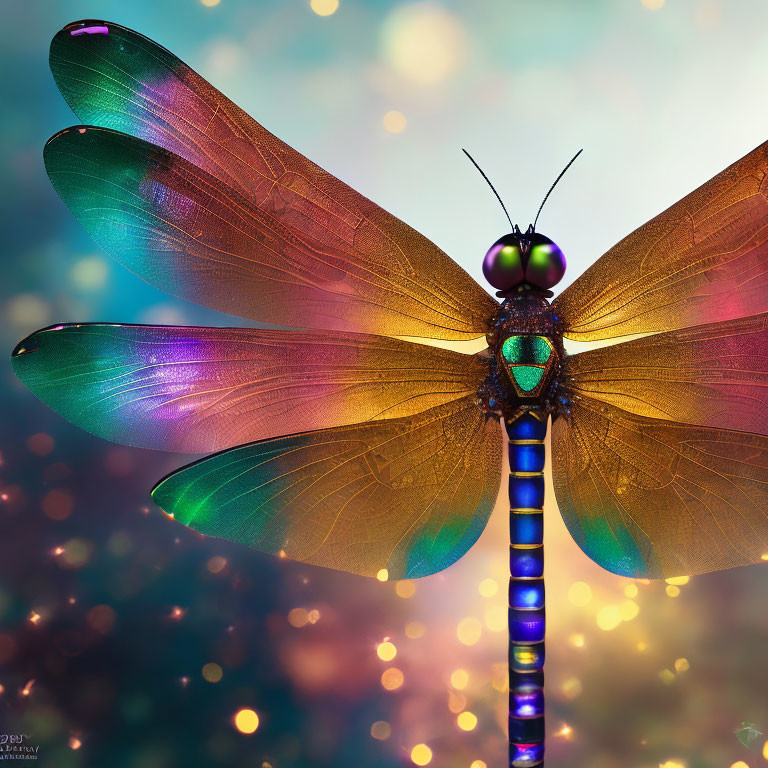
[527,621]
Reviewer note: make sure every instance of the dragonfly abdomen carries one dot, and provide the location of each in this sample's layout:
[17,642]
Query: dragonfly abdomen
[526,433]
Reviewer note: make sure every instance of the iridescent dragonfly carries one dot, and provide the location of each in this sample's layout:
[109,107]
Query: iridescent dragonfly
[346,446]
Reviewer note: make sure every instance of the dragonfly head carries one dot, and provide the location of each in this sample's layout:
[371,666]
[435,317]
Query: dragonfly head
[523,259]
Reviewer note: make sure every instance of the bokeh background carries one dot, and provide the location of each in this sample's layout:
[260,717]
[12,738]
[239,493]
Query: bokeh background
[127,641]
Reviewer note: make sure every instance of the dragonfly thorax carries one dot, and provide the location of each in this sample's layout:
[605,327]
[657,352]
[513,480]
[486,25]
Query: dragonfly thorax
[524,355]
[523,259]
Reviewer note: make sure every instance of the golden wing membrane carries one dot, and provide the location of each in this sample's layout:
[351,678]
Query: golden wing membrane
[712,375]
[649,498]
[408,495]
[311,252]
[703,260]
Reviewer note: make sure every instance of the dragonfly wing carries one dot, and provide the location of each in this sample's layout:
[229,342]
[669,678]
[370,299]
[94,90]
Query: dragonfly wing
[649,498]
[712,375]
[325,256]
[206,389]
[407,495]
[705,259]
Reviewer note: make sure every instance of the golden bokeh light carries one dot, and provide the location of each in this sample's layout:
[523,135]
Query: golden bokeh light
[394,121]
[496,618]
[381,730]
[629,610]
[469,631]
[383,575]
[653,5]
[246,721]
[739,764]
[386,651]
[298,617]
[580,594]
[212,672]
[210,3]
[421,754]
[424,43]
[479,764]
[678,581]
[488,587]
[672,590]
[459,679]
[682,665]
[324,7]
[405,589]
[415,629]
[467,721]
[631,591]
[392,679]
[572,688]
[609,617]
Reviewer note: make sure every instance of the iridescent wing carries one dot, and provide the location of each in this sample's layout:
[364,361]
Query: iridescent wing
[712,375]
[651,498]
[224,213]
[408,495]
[703,260]
[205,389]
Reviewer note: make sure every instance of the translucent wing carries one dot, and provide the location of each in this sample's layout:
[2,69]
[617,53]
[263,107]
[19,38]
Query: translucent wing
[703,260]
[409,495]
[309,250]
[650,498]
[205,389]
[713,375]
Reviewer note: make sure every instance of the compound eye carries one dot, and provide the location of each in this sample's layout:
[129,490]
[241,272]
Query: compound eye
[503,264]
[546,264]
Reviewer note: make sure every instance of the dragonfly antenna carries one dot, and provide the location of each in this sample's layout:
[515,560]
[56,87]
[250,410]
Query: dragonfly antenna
[562,173]
[498,197]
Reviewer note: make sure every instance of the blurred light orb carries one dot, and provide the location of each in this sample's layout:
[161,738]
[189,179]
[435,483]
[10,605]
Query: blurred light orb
[424,42]
[631,591]
[653,5]
[467,721]
[386,651]
[27,311]
[381,730]
[383,575]
[89,273]
[421,754]
[405,589]
[459,679]
[672,764]
[324,7]
[765,746]
[682,665]
[469,631]
[414,630]
[394,121]
[629,610]
[392,679]
[41,444]
[479,764]
[210,3]
[672,590]
[496,618]
[212,672]
[216,564]
[739,764]
[609,617]
[580,594]
[678,581]
[488,587]
[246,721]
[572,688]
[298,617]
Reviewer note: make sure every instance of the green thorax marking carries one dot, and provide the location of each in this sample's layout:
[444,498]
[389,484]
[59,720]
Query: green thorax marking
[526,358]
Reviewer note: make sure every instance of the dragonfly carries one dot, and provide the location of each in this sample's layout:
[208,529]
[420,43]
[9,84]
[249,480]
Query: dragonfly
[339,439]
